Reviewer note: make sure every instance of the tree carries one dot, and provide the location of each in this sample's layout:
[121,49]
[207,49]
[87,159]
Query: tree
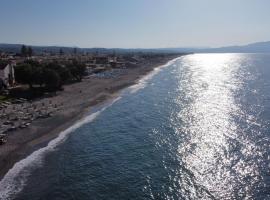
[38,75]
[24,74]
[33,63]
[51,79]
[24,50]
[62,71]
[77,70]
[61,52]
[65,75]
[29,51]
[75,51]
[30,72]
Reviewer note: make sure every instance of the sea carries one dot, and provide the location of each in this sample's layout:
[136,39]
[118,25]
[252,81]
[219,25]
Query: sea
[195,128]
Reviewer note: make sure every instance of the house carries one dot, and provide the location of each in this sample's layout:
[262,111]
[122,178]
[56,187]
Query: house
[7,72]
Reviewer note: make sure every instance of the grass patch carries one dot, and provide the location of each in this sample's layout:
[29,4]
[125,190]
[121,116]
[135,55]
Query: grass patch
[4,98]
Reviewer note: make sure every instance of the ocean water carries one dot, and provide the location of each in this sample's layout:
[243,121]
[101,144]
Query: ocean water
[198,128]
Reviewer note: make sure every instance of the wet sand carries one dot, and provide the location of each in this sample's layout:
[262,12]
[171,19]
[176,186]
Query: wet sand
[77,101]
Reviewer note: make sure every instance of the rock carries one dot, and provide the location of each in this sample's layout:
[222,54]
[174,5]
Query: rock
[22,126]
[25,118]
[2,141]
[7,123]
[27,124]
[14,119]
[13,128]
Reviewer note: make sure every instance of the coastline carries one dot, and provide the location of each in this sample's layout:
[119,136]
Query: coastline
[79,99]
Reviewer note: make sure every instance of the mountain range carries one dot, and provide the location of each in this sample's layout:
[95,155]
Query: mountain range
[259,47]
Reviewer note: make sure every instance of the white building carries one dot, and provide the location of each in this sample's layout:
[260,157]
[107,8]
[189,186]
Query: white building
[7,73]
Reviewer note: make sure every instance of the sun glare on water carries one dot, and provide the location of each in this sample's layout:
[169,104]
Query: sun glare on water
[207,122]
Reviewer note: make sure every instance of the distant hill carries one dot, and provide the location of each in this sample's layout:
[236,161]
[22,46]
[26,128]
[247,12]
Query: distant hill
[16,48]
[260,47]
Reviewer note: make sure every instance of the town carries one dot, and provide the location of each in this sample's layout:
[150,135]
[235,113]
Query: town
[29,79]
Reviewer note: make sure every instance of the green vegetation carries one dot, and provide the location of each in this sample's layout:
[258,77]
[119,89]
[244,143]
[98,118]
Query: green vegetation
[61,52]
[51,76]
[76,69]
[26,51]
[3,98]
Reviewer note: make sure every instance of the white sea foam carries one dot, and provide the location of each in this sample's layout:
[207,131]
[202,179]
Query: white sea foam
[15,179]
[143,81]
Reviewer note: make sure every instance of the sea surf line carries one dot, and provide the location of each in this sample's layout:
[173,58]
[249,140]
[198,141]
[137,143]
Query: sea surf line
[15,179]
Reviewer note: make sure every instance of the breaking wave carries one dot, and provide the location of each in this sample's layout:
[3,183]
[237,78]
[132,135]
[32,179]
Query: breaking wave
[15,179]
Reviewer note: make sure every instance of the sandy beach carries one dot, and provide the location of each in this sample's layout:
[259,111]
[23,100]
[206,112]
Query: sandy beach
[75,101]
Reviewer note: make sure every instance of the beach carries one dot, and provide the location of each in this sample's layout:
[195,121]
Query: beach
[73,103]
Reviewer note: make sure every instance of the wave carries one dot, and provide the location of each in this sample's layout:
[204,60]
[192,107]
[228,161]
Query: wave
[143,81]
[15,179]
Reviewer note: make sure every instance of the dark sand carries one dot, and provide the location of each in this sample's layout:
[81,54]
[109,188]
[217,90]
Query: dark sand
[77,100]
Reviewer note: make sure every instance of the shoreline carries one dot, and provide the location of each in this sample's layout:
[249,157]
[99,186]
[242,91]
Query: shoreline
[77,105]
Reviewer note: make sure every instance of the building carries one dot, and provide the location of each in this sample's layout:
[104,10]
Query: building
[7,73]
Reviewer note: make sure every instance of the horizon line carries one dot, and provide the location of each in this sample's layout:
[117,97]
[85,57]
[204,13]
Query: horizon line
[184,47]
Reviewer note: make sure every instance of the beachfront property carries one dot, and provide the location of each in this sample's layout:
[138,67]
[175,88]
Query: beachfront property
[7,75]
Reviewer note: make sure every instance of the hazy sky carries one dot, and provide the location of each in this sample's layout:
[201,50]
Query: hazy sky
[134,23]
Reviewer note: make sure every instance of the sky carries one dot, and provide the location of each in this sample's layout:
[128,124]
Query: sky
[134,23]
